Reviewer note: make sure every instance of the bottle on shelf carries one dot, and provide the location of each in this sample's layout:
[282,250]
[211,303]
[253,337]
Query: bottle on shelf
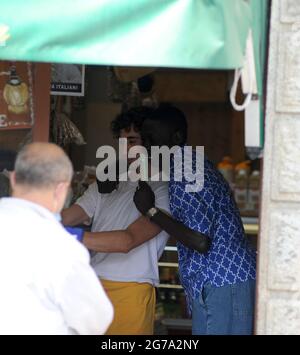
[254,192]
[226,168]
[242,171]
[173,293]
[183,306]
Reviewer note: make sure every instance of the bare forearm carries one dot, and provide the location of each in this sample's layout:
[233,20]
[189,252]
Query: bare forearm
[144,199]
[188,237]
[122,241]
[108,242]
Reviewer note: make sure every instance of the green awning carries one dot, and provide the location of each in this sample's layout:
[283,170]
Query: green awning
[157,33]
[260,10]
[259,26]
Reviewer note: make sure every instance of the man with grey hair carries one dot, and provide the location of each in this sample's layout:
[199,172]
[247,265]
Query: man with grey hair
[47,284]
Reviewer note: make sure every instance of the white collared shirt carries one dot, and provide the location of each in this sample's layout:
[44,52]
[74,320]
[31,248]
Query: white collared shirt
[47,284]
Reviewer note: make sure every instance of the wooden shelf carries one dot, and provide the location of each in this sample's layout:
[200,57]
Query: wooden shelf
[14,128]
[169,248]
[251,225]
[251,229]
[177,323]
[166,264]
[177,287]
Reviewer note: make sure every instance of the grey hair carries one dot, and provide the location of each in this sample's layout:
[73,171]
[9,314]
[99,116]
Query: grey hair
[40,169]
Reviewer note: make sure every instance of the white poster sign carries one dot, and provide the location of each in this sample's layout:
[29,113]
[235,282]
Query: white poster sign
[67,79]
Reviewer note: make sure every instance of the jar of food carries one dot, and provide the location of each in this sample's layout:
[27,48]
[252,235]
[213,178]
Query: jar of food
[226,168]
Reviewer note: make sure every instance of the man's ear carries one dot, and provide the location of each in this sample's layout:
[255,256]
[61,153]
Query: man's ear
[61,189]
[60,194]
[12,179]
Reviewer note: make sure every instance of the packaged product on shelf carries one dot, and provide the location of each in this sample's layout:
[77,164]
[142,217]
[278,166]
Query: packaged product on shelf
[254,192]
[159,311]
[90,172]
[184,313]
[172,296]
[165,275]
[241,185]
[226,168]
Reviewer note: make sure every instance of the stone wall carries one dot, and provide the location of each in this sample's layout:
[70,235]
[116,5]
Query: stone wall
[278,301]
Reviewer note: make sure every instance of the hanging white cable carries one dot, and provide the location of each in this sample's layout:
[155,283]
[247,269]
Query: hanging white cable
[233,91]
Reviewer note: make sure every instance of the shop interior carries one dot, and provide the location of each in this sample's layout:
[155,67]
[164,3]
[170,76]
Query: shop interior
[80,124]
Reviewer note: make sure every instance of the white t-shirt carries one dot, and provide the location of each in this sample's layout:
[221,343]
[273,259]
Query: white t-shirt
[116,211]
[47,283]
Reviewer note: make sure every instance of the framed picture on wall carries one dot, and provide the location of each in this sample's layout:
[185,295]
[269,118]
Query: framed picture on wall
[16,99]
[67,79]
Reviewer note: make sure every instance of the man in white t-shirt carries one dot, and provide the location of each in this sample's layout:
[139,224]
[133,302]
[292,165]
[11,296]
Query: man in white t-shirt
[47,283]
[127,245]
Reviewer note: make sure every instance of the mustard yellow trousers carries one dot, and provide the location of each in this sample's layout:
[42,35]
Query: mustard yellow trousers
[134,307]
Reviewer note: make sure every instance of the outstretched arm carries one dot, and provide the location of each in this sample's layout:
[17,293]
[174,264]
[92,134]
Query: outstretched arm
[74,215]
[144,200]
[118,241]
[122,241]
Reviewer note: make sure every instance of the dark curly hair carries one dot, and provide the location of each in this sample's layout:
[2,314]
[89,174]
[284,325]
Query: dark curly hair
[131,118]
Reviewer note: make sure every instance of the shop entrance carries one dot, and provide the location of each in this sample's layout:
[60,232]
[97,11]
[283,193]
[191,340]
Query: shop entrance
[81,124]
[207,35]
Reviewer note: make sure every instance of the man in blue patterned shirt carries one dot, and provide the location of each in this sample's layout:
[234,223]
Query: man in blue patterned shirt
[219,284]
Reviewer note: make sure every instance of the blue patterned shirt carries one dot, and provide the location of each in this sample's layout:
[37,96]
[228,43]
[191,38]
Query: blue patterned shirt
[211,211]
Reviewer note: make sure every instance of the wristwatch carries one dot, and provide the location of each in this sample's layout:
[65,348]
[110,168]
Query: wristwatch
[152,212]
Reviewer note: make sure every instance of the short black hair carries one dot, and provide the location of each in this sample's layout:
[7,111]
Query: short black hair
[131,118]
[7,159]
[173,117]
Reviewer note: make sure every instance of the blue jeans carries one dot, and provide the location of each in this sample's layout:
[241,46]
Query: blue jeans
[226,310]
